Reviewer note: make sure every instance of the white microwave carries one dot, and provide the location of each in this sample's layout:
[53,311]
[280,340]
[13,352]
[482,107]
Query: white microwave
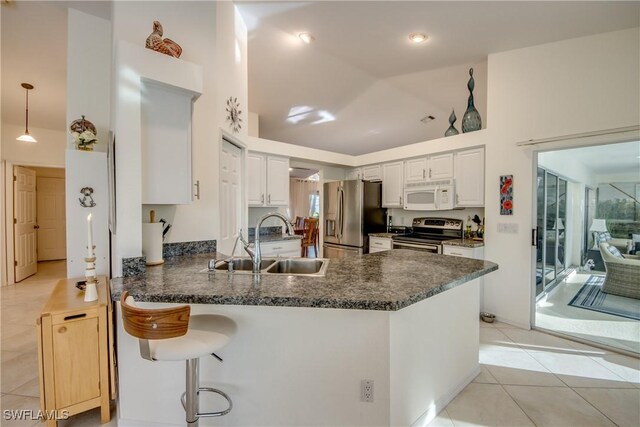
[434,196]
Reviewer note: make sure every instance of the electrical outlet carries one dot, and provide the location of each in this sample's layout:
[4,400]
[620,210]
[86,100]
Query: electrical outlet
[366,391]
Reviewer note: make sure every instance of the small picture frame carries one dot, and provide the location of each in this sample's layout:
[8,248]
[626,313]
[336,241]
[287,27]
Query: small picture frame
[506,195]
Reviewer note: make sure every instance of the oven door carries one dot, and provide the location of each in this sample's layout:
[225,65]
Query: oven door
[425,247]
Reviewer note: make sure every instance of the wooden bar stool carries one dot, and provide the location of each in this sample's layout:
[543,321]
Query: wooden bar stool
[171,334]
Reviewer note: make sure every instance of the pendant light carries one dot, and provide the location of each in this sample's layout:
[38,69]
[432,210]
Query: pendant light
[26,137]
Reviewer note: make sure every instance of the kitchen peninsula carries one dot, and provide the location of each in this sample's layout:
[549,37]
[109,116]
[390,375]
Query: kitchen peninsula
[304,344]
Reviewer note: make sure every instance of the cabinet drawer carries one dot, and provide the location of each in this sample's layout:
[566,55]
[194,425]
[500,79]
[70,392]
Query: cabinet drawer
[458,251]
[72,316]
[379,243]
[282,248]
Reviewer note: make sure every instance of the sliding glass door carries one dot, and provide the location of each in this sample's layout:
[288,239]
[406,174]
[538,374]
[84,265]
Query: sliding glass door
[551,220]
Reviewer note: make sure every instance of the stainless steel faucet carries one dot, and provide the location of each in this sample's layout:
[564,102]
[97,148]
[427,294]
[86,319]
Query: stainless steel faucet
[213,263]
[256,254]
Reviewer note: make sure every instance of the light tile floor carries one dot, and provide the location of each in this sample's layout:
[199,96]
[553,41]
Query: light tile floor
[528,377]
[20,305]
[532,378]
[554,313]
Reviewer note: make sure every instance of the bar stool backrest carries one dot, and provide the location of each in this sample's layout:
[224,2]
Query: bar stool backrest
[153,324]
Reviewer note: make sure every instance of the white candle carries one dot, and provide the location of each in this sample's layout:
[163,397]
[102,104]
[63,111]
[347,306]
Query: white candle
[89,238]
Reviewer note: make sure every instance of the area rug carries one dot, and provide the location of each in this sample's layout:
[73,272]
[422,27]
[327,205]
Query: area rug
[591,297]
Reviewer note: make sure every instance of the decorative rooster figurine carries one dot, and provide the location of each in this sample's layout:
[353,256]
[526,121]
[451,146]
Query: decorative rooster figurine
[157,43]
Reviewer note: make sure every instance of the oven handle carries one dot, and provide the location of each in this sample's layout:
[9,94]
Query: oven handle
[418,246]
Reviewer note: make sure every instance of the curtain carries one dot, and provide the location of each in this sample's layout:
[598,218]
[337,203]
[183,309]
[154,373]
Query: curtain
[300,191]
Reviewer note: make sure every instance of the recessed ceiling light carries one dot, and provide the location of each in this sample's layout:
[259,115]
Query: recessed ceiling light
[306,37]
[418,37]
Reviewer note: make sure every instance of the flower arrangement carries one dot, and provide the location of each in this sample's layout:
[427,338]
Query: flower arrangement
[84,140]
[84,134]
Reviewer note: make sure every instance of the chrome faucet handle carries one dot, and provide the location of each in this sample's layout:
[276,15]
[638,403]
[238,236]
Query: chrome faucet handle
[212,264]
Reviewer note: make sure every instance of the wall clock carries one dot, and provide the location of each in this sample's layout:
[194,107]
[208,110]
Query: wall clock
[233,114]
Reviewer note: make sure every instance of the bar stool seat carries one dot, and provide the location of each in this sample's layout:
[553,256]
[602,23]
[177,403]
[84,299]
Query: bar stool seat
[172,334]
[207,333]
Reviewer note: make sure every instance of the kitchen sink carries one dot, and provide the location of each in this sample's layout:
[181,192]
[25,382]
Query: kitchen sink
[299,267]
[241,266]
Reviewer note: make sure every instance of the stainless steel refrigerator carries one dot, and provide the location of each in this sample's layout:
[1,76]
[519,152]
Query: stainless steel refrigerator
[352,210]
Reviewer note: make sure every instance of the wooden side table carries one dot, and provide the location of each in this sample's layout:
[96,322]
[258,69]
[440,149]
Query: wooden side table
[75,352]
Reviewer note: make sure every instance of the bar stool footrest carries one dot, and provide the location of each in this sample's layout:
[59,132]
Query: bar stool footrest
[209,414]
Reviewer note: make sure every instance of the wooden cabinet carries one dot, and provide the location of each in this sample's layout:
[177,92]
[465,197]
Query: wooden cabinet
[75,351]
[353,174]
[267,180]
[392,184]
[462,251]
[379,244]
[371,173]
[430,168]
[281,248]
[469,176]
[166,144]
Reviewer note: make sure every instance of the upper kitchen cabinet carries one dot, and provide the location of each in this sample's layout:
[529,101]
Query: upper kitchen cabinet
[392,184]
[268,180]
[166,144]
[469,174]
[429,168]
[355,173]
[372,173]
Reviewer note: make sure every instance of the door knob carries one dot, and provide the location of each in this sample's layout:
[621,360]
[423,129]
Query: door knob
[35,227]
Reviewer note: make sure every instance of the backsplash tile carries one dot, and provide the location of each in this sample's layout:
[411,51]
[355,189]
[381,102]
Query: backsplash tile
[188,248]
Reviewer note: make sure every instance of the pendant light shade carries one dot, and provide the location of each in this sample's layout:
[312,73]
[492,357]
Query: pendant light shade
[26,137]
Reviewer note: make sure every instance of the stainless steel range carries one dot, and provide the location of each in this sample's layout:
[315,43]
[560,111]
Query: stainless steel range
[429,233]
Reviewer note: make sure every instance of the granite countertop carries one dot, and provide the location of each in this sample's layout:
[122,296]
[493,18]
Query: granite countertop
[389,280]
[467,243]
[383,235]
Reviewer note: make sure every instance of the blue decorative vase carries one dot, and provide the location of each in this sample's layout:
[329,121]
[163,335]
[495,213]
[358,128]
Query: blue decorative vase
[452,130]
[471,120]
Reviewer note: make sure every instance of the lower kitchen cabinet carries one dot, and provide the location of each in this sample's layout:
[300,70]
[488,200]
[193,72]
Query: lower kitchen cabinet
[462,251]
[75,352]
[379,244]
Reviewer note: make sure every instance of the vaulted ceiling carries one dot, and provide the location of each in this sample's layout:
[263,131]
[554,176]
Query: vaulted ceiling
[362,86]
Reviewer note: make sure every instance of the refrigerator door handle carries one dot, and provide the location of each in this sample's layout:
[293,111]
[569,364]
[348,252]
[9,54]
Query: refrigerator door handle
[340,212]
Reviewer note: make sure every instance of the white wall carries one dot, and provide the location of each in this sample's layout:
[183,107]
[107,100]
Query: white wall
[578,85]
[253,125]
[89,73]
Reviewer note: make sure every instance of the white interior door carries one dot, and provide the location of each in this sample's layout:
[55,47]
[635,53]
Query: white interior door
[51,216]
[24,214]
[230,196]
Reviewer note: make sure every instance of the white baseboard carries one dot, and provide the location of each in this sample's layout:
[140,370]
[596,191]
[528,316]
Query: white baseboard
[441,403]
[511,322]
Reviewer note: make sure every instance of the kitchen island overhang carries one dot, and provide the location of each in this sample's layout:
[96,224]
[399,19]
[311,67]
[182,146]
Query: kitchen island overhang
[406,320]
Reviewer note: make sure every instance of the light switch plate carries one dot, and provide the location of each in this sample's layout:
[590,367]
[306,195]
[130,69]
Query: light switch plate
[508,227]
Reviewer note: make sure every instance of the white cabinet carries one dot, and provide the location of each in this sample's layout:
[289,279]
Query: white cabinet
[165,117]
[353,174]
[371,173]
[431,168]
[379,244]
[392,184]
[256,178]
[469,176]
[415,170]
[461,251]
[277,181]
[281,248]
[440,166]
[268,180]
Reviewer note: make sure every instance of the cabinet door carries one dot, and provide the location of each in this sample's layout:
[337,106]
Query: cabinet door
[256,179]
[441,166]
[415,170]
[392,184]
[165,118]
[469,175]
[353,174]
[277,181]
[76,361]
[371,173]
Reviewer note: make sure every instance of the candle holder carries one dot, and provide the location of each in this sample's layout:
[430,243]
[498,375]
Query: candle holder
[91,291]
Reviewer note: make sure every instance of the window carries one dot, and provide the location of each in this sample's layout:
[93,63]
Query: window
[314,205]
[618,204]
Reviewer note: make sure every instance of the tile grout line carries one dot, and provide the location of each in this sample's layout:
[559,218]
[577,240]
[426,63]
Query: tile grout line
[594,407]
[518,405]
